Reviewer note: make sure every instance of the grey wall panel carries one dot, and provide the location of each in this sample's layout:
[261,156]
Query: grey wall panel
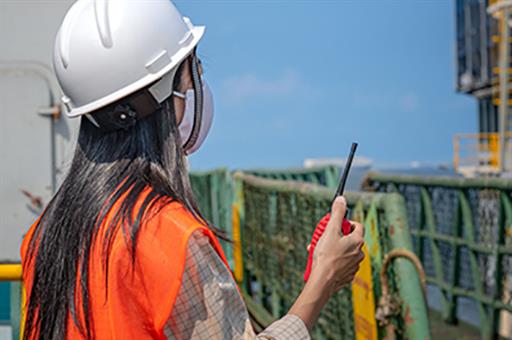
[27,32]
[28,28]
[24,159]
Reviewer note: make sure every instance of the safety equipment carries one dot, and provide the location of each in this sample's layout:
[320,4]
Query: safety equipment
[140,297]
[106,50]
[186,126]
[346,228]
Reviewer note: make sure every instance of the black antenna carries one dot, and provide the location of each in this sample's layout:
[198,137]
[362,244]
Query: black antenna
[344,175]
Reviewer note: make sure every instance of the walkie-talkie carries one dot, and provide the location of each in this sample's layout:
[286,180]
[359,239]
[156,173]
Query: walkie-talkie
[346,227]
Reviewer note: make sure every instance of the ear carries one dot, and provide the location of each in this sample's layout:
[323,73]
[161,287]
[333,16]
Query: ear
[179,108]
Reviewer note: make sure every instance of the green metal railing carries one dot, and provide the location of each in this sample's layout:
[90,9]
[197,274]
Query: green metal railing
[214,195]
[213,191]
[277,220]
[327,175]
[462,232]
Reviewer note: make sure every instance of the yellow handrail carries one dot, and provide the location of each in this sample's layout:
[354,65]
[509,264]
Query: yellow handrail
[10,272]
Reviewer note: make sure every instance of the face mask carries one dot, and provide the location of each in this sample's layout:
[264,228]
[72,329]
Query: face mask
[186,126]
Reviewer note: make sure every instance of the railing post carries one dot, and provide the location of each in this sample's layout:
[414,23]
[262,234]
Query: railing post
[214,192]
[428,214]
[16,300]
[504,219]
[414,307]
[331,176]
[275,302]
[238,223]
[451,316]
[366,285]
[469,231]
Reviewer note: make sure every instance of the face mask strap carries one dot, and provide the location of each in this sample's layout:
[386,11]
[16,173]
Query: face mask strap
[179,94]
[198,103]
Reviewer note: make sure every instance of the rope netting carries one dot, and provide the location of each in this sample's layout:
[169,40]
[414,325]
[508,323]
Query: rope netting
[277,229]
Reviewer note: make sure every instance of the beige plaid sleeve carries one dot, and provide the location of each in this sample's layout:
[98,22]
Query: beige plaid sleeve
[209,305]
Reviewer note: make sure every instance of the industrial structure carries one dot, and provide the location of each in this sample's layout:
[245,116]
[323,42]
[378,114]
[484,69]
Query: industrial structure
[458,228]
[483,71]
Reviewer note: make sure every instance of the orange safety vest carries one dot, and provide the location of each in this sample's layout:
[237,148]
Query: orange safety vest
[140,298]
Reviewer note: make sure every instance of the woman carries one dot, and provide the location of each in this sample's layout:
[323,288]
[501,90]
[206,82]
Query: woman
[121,251]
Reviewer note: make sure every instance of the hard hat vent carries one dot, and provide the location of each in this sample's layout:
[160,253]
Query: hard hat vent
[65,31]
[103,22]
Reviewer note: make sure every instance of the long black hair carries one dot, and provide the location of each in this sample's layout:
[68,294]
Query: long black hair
[105,166]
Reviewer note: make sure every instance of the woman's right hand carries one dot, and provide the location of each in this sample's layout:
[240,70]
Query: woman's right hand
[336,258]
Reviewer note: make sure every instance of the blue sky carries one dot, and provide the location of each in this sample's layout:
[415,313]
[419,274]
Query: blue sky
[302,79]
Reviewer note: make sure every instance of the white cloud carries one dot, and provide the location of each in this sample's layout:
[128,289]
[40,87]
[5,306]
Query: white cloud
[390,100]
[368,100]
[409,102]
[236,89]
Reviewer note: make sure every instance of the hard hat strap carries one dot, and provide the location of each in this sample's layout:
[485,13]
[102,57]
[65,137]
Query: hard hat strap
[125,114]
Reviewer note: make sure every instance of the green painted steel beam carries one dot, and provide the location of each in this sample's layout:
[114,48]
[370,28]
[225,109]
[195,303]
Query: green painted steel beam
[439,181]
[459,241]
[481,298]
[414,307]
[504,218]
[306,188]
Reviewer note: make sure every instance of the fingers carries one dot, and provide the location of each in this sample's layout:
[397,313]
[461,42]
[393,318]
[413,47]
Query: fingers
[350,278]
[338,209]
[360,257]
[355,240]
[357,229]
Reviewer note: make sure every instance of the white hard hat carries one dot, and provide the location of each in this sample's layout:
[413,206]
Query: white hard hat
[106,50]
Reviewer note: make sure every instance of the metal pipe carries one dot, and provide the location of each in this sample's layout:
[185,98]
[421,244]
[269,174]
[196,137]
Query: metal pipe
[44,72]
[373,178]
[504,64]
[413,307]
[387,305]
[401,252]
[484,63]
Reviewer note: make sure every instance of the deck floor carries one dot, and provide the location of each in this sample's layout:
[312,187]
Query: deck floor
[442,330]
